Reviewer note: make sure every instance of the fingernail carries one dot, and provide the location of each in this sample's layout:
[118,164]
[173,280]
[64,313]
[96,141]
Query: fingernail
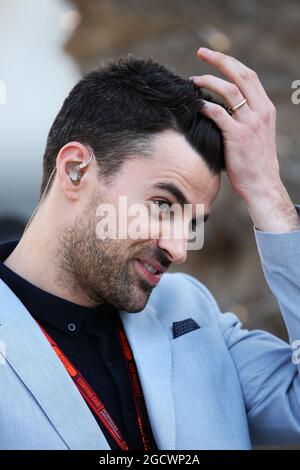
[204,51]
[191,79]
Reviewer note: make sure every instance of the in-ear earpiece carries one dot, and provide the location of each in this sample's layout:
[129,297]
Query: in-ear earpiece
[74,173]
[75,170]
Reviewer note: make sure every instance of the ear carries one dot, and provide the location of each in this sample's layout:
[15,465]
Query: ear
[72,163]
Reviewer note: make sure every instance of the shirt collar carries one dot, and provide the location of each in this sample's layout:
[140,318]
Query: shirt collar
[59,313]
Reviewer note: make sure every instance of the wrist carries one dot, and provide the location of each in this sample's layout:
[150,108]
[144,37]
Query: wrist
[272,210]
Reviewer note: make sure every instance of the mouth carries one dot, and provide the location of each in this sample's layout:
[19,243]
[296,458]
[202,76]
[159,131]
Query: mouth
[151,271]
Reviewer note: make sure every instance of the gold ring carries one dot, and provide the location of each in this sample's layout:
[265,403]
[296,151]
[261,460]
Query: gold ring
[238,106]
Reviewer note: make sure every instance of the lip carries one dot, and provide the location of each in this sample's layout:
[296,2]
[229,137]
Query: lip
[155,264]
[152,278]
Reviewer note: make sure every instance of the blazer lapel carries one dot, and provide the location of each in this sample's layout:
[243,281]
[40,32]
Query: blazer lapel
[152,353]
[35,362]
[33,359]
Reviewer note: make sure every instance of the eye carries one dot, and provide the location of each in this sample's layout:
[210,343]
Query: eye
[163,205]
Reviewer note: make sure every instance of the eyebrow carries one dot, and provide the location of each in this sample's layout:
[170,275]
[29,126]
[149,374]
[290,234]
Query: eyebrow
[178,194]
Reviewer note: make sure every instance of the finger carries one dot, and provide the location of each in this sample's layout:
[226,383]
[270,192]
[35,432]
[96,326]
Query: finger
[219,115]
[245,78]
[229,91]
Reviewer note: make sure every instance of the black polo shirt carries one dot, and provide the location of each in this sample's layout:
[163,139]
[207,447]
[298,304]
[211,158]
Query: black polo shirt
[89,339]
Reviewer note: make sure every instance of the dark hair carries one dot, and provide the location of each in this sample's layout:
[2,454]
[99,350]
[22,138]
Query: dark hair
[117,108]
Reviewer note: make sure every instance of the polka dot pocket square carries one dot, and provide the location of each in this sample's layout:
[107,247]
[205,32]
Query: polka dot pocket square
[184,326]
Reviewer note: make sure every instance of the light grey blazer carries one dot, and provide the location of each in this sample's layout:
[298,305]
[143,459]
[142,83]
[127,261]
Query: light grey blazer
[217,387]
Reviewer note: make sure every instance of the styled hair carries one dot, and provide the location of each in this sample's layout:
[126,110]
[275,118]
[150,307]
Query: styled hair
[119,107]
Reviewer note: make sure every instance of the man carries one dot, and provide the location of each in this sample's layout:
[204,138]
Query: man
[102,349]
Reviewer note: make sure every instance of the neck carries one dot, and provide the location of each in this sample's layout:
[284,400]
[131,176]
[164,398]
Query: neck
[35,259]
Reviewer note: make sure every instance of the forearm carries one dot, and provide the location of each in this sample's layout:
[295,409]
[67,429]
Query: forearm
[279,254]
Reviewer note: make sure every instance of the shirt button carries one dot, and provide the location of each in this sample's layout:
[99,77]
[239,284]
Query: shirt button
[71,327]
[109,363]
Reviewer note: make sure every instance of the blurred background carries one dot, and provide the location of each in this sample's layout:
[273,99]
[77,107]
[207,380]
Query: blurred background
[46,45]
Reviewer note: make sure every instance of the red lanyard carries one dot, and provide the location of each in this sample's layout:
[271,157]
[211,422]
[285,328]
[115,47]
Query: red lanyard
[94,401]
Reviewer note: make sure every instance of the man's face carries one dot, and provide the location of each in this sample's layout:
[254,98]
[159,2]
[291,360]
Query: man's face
[114,270]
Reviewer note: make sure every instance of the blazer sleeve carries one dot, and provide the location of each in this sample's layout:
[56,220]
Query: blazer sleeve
[269,368]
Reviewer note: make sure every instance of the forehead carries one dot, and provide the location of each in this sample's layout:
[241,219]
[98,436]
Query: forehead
[173,161]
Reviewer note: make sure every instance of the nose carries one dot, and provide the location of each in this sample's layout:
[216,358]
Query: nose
[176,249]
